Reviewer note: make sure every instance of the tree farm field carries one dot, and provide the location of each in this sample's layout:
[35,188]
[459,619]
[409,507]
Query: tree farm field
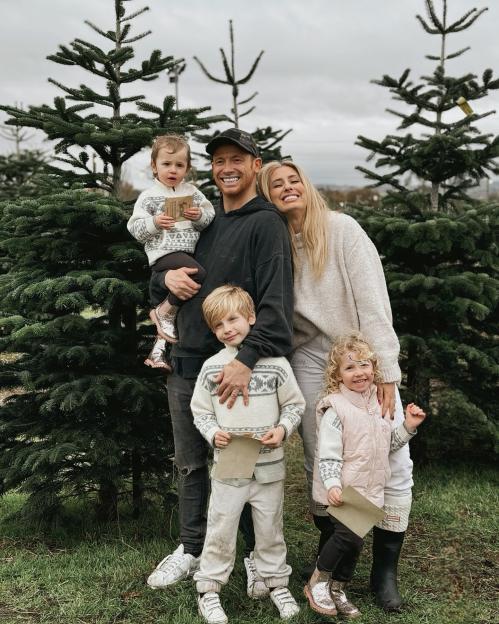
[82,572]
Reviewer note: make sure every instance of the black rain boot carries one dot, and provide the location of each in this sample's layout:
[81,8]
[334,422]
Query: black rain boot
[386,552]
[326,527]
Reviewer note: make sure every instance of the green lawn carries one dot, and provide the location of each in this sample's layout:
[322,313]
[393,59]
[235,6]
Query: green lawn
[84,573]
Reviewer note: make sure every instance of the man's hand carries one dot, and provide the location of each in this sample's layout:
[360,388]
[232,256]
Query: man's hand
[193,213]
[386,397]
[233,380]
[414,416]
[221,439]
[180,284]
[334,497]
[163,221]
[273,437]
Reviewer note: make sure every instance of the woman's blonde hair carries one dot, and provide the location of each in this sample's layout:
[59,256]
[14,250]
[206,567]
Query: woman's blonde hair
[314,232]
[226,300]
[353,342]
[174,143]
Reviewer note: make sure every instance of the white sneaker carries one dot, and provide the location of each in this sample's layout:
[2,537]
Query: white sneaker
[285,603]
[173,568]
[210,609]
[255,587]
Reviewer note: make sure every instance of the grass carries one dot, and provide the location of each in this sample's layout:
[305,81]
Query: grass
[85,573]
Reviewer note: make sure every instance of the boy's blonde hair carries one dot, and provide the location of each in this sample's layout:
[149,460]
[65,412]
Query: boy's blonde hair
[350,342]
[174,142]
[314,232]
[225,300]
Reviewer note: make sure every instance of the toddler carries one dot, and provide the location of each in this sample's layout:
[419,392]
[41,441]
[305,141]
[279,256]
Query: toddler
[169,244]
[354,441]
[272,414]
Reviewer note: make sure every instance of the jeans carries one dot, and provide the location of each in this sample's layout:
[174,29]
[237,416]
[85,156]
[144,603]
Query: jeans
[191,459]
[340,553]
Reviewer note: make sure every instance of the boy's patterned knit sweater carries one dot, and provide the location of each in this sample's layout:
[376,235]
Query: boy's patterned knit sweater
[275,399]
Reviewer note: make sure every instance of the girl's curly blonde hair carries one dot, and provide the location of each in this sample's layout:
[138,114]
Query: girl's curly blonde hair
[350,342]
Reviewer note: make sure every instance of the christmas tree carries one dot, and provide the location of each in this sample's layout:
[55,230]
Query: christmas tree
[91,417]
[439,247]
[267,139]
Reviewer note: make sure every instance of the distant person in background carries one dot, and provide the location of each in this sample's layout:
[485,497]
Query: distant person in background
[339,286]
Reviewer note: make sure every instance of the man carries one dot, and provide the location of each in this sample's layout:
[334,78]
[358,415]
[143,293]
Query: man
[246,245]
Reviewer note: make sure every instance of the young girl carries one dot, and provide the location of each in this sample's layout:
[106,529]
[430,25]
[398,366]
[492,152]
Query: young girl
[167,243]
[354,441]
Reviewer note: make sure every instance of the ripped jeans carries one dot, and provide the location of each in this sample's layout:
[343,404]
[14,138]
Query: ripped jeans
[191,459]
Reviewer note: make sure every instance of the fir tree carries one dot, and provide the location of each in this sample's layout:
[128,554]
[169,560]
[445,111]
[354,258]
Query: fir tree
[267,139]
[92,417]
[440,249]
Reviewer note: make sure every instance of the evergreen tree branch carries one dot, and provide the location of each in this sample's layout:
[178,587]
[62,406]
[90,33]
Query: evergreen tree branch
[207,73]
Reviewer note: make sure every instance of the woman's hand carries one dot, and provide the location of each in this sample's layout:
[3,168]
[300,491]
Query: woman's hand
[334,497]
[386,398]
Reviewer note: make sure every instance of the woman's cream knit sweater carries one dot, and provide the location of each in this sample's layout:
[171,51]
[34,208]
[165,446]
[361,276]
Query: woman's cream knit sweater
[350,295]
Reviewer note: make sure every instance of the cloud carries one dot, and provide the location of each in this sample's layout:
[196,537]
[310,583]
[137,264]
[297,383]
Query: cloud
[314,77]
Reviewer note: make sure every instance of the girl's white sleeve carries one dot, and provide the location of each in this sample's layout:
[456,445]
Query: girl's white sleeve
[330,446]
[207,210]
[141,224]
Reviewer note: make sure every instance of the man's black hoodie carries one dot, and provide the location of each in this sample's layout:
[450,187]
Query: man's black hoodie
[250,248]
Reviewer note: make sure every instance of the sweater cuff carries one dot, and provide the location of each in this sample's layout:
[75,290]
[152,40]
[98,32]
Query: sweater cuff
[391,374]
[248,356]
[210,435]
[151,226]
[332,482]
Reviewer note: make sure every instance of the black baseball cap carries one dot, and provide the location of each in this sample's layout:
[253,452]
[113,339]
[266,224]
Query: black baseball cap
[238,137]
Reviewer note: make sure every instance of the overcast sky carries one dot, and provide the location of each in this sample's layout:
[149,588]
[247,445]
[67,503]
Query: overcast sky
[314,77]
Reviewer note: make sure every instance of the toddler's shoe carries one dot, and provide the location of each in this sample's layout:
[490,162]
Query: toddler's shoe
[165,323]
[343,605]
[318,594]
[158,358]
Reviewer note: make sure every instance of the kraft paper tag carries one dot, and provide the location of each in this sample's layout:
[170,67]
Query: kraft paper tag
[175,206]
[238,459]
[357,513]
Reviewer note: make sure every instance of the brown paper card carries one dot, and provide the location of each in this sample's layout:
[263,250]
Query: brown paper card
[175,206]
[238,459]
[357,513]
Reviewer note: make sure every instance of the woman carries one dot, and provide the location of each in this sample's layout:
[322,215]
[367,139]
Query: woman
[339,287]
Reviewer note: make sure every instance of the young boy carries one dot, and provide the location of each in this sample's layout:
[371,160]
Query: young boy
[272,414]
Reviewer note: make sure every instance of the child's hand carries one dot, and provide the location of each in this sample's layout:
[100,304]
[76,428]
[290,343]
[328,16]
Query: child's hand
[274,437]
[414,416]
[221,439]
[193,213]
[163,221]
[334,497]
